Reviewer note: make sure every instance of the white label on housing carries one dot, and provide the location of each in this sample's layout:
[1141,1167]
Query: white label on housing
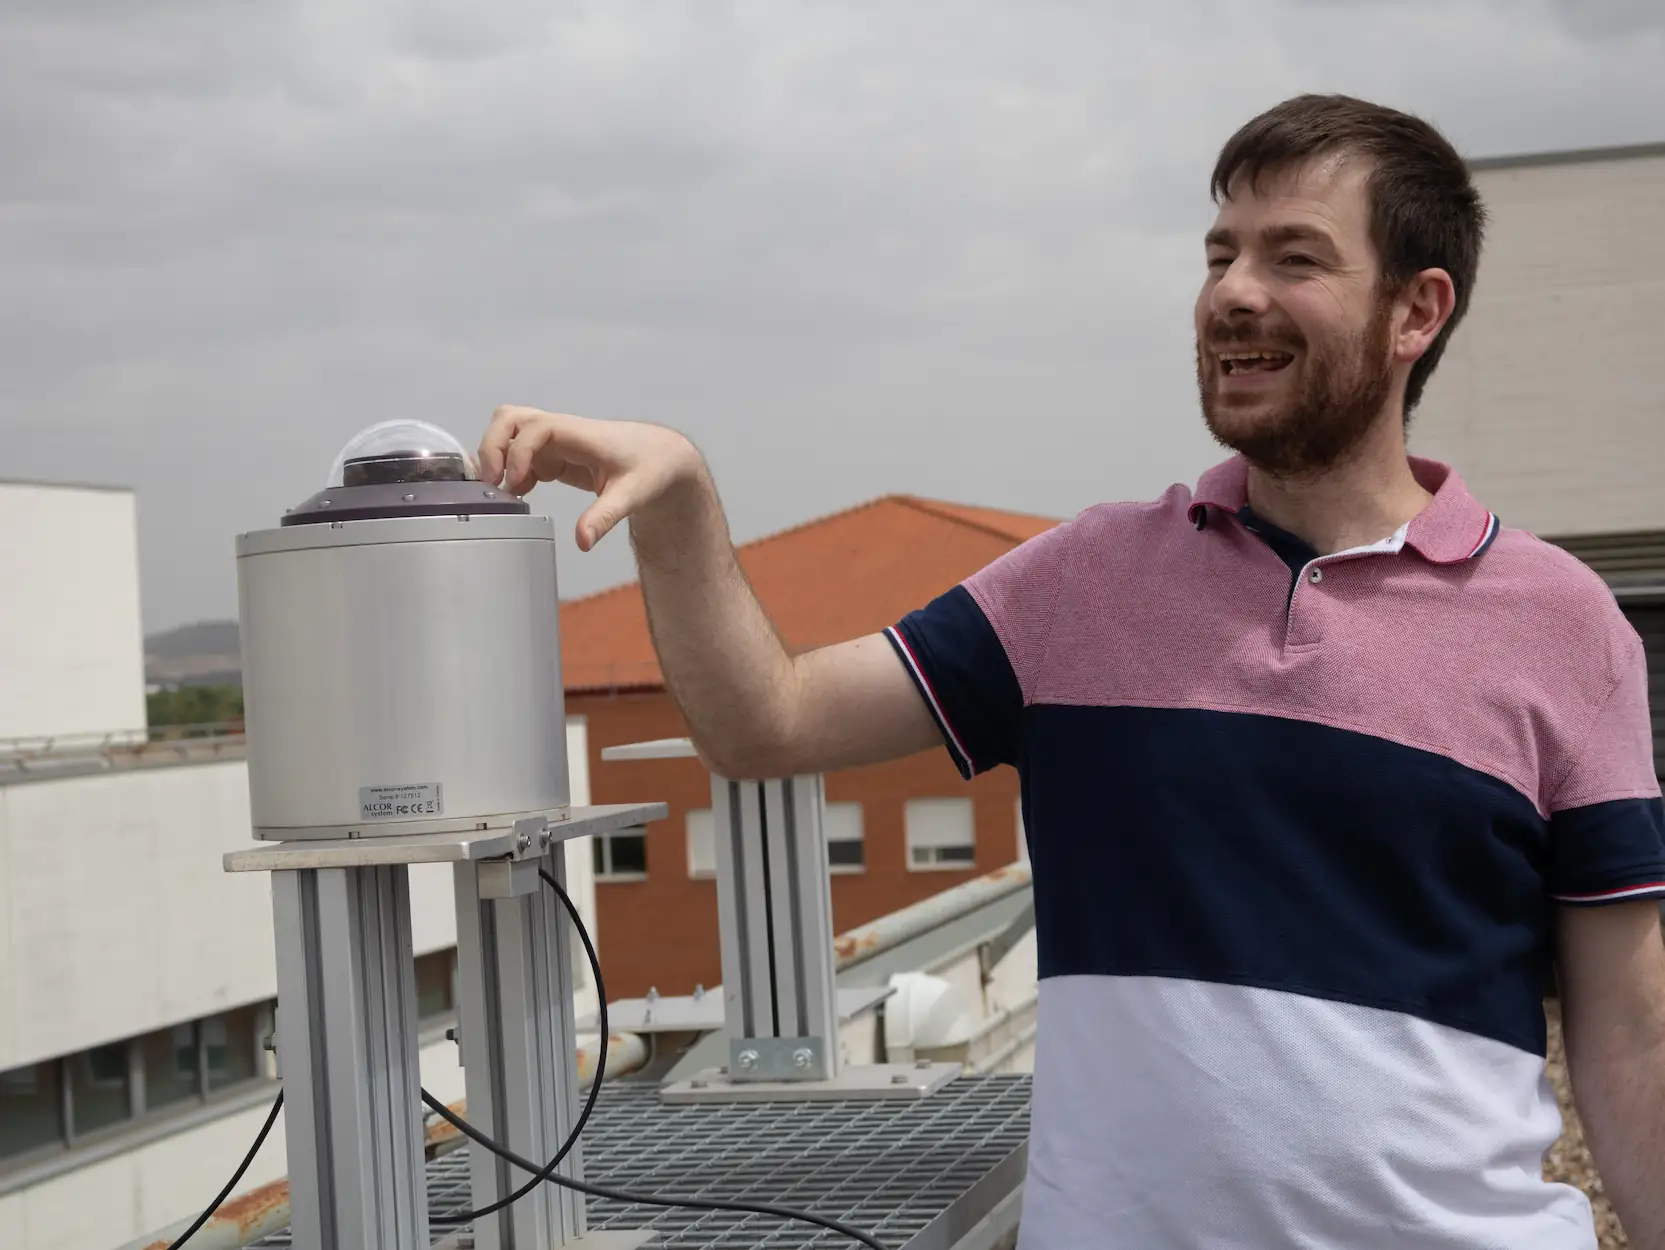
[417,801]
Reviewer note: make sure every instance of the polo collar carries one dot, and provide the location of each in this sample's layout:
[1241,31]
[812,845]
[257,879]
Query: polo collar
[1453,527]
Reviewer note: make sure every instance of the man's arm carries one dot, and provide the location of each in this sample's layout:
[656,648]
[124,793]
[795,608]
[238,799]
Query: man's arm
[752,709]
[1612,984]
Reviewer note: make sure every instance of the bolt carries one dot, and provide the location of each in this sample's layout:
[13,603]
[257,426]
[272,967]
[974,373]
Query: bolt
[748,1060]
[901,1078]
[523,841]
[323,503]
[699,991]
[922,1064]
[653,994]
[491,494]
[270,1042]
[409,498]
[546,835]
[802,1058]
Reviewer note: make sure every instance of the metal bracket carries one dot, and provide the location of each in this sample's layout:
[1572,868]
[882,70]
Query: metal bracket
[508,878]
[777,1059]
[879,1081]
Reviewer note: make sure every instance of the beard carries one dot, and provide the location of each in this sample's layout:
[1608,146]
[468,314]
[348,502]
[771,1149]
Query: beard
[1340,393]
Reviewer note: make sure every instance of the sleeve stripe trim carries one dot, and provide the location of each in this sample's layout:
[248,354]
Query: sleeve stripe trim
[924,684]
[1628,891]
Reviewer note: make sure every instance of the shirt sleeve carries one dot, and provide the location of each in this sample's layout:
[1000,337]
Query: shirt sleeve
[974,652]
[1607,827]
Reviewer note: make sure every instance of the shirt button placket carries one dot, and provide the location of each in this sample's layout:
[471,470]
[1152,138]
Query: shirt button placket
[1304,609]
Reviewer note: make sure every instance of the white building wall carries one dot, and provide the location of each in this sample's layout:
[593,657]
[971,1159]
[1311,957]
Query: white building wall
[70,575]
[1546,400]
[116,918]
[115,1201]
[120,919]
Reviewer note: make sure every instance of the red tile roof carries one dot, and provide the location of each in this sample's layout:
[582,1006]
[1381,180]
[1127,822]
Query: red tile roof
[825,581]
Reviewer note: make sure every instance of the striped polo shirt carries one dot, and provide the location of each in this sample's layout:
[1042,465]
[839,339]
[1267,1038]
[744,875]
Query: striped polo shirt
[1297,846]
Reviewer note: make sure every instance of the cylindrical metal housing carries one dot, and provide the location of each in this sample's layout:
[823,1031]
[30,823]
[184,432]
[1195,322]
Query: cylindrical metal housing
[402,675]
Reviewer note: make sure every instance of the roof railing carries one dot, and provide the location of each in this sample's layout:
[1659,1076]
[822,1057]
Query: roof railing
[119,748]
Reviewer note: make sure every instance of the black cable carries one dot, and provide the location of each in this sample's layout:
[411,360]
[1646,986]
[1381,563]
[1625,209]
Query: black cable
[547,1172]
[648,1200]
[540,1175]
[236,1176]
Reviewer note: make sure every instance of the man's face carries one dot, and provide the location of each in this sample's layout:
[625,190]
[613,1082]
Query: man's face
[1294,341]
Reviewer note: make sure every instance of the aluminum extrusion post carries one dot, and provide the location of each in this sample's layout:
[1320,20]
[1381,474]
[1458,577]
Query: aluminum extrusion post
[347,1043]
[518,1044]
[774,898]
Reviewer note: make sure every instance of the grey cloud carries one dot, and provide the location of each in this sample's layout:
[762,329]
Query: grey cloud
[851,248]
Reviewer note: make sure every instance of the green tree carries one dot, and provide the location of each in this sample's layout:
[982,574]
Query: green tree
[201,706]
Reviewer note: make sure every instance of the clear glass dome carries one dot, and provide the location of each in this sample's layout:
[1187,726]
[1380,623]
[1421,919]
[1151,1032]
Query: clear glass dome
[401,451]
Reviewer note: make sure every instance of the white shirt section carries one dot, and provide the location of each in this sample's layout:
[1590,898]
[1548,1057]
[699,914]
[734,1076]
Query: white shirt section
[1392,543]
[1185,1115]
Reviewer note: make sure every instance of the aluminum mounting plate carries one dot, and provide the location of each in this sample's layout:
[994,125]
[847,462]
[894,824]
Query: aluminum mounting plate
[440,848]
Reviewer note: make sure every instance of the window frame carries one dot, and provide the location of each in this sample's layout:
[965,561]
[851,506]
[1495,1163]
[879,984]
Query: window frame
[933,859]
[696,873]
[860,840]
[140,1120]
[601,860]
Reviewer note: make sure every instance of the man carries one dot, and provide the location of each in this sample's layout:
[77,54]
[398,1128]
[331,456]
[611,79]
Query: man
[1322,766]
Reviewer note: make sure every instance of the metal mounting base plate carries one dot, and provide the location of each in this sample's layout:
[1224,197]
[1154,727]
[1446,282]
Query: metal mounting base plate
[897,1081]
[451,847]
[608,1239]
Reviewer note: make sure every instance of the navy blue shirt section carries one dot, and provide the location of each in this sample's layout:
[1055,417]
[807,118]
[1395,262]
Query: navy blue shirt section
[1284,854]
[1607,849]
[1292,549]
[1270,851]
[955,658]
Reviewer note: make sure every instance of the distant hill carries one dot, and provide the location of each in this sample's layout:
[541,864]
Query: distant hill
[201,638]
[202,653]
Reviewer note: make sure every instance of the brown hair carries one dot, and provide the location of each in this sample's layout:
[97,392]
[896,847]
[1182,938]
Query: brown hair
[1424,210]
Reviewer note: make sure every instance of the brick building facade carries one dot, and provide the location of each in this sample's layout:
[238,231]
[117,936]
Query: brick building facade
[898,832]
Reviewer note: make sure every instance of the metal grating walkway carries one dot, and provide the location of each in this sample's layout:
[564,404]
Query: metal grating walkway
[912,1174]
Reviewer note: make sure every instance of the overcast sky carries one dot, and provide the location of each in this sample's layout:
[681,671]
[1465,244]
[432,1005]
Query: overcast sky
[851,248]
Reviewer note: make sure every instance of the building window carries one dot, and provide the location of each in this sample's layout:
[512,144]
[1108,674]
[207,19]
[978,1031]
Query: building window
[55,1103]
[940,833]
[436,986]
[844,839]
[1648,620]
[702,843]
[169,1062]
[232,1047]
[620,856]
[31,1109]
[98,1089]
